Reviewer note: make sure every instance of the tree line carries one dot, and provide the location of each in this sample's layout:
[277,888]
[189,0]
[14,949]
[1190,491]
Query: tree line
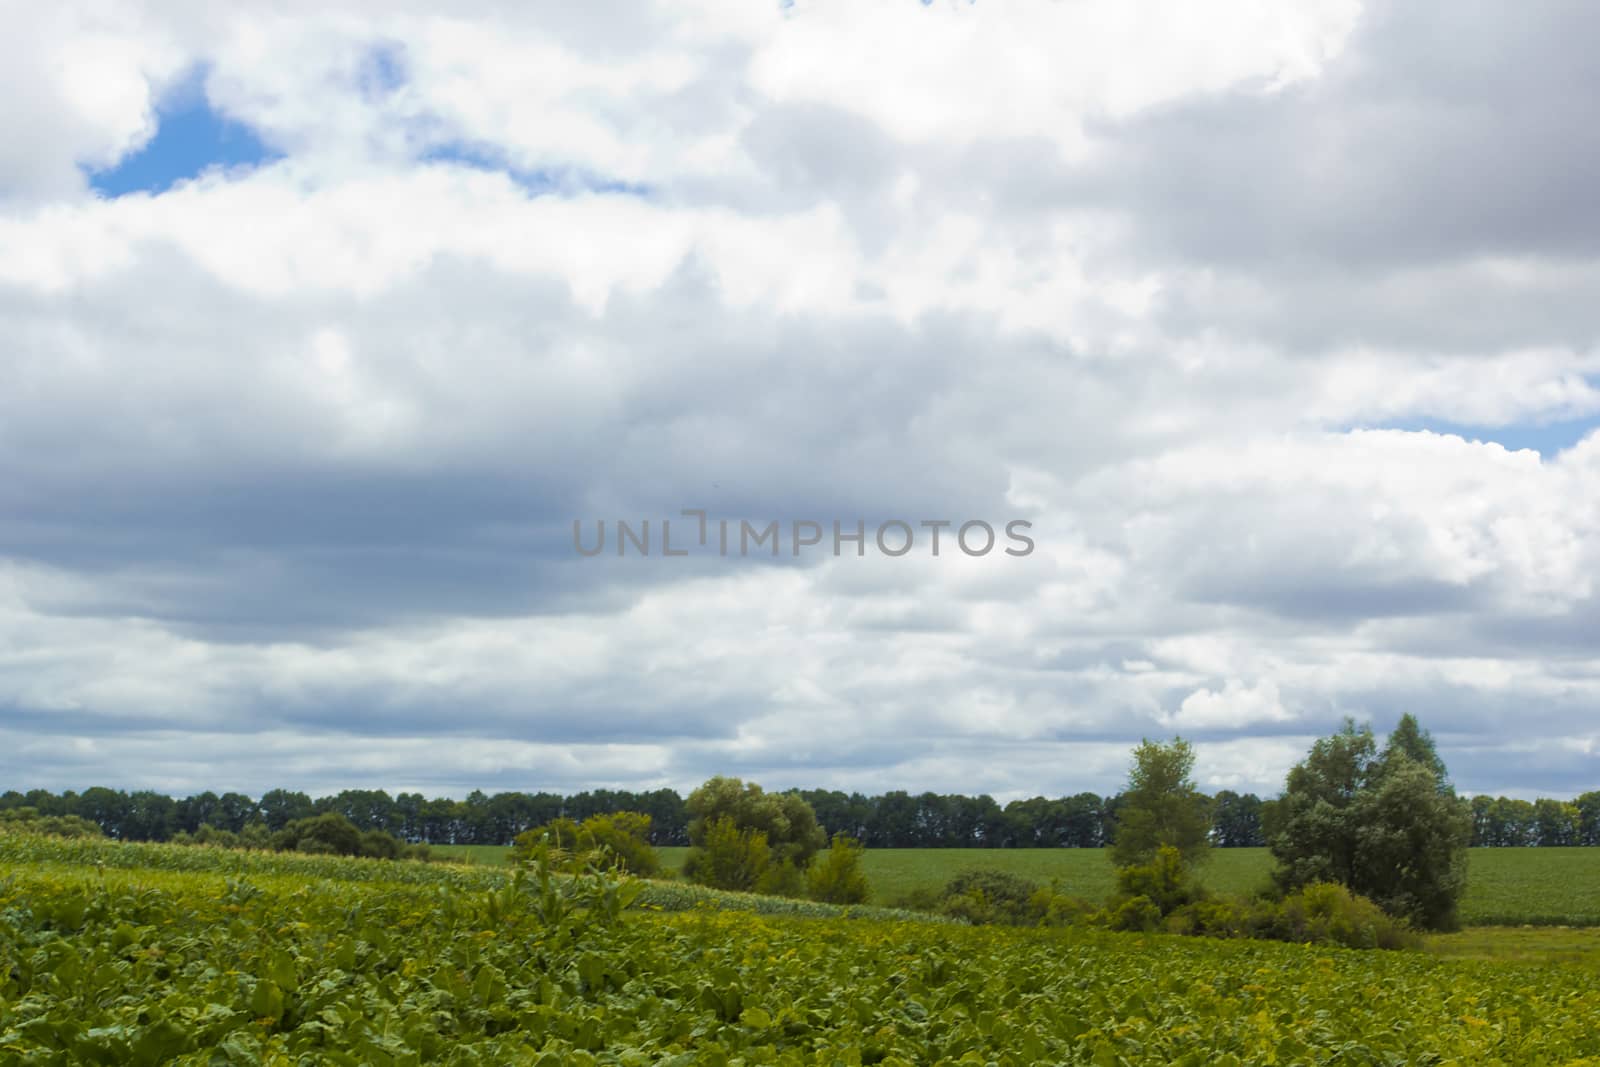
[896,819]
[1369,843]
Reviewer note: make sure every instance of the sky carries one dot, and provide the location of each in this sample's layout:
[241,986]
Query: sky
[321,325]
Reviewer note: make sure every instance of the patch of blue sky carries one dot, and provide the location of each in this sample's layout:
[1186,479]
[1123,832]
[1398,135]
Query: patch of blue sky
[1547,438]
[191,138]
[383,71]
[543,181]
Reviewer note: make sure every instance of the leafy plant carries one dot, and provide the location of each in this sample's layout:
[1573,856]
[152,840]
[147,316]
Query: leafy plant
[836,876]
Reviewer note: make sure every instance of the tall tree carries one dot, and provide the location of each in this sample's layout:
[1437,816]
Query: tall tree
[1236,820]
[1588,818]
[1383,825]
[1161,806]
[1411,740]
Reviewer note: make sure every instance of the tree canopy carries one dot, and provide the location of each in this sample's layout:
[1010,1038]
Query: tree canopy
[1162,806]
[1386,825]
[787,821]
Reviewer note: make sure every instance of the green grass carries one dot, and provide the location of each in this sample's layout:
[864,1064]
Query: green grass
[1505,887]
[894,873]
[1541,886]
[490,854]
[1561,945]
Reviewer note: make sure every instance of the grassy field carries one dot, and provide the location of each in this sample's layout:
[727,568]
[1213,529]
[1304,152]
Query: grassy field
[1506,886]
[153,954]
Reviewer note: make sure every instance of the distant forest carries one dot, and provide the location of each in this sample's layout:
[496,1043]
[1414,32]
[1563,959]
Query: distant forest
[893,820]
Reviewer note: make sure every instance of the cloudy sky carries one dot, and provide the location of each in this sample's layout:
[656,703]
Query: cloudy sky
[319,327]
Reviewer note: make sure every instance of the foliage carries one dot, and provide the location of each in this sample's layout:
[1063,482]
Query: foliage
[1411,844]
[622,839]
[985,895]
[1236,820]
[1165,881]
[786,822]
[1383,825]
[895,819]
[836,876]
[1161,806]
[331,834]
[782,879]
[154,959]
[1328,912]
[1509,886]
[728,856]
[29,821]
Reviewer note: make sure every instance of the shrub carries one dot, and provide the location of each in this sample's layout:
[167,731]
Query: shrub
[331,834]
[1322,913]
[1134,913]
[381,845]
[29,821]
[1327,911]
[782,879]
[255,835]
[1055,908]
[836,876]
[1165,881]
[620,840]
[206,834]
[625,835]
[728,857]
[984,895]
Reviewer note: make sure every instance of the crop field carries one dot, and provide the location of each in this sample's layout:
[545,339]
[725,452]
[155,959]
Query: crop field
[1506,886]
[146,954]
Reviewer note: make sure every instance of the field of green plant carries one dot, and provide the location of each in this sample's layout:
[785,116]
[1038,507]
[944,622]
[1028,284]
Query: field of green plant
[143,954]
[1506,886]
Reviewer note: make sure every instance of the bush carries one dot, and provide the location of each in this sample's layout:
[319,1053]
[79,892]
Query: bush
[984,895]
[728,857]
[331,834]
[782,879]
[625,836]
[206,834]
[255,835]
[836,877]
[1327,911]
[620,840]
[381,845]
[1055,908]
[1165,881]
[1134,913]
[1322,913]
[29,821]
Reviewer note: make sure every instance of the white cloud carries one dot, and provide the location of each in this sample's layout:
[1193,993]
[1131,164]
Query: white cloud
[294,452]
[1233,706]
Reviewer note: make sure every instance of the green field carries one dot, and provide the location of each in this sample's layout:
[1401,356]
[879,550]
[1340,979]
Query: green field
[153,954]
[1506,886]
